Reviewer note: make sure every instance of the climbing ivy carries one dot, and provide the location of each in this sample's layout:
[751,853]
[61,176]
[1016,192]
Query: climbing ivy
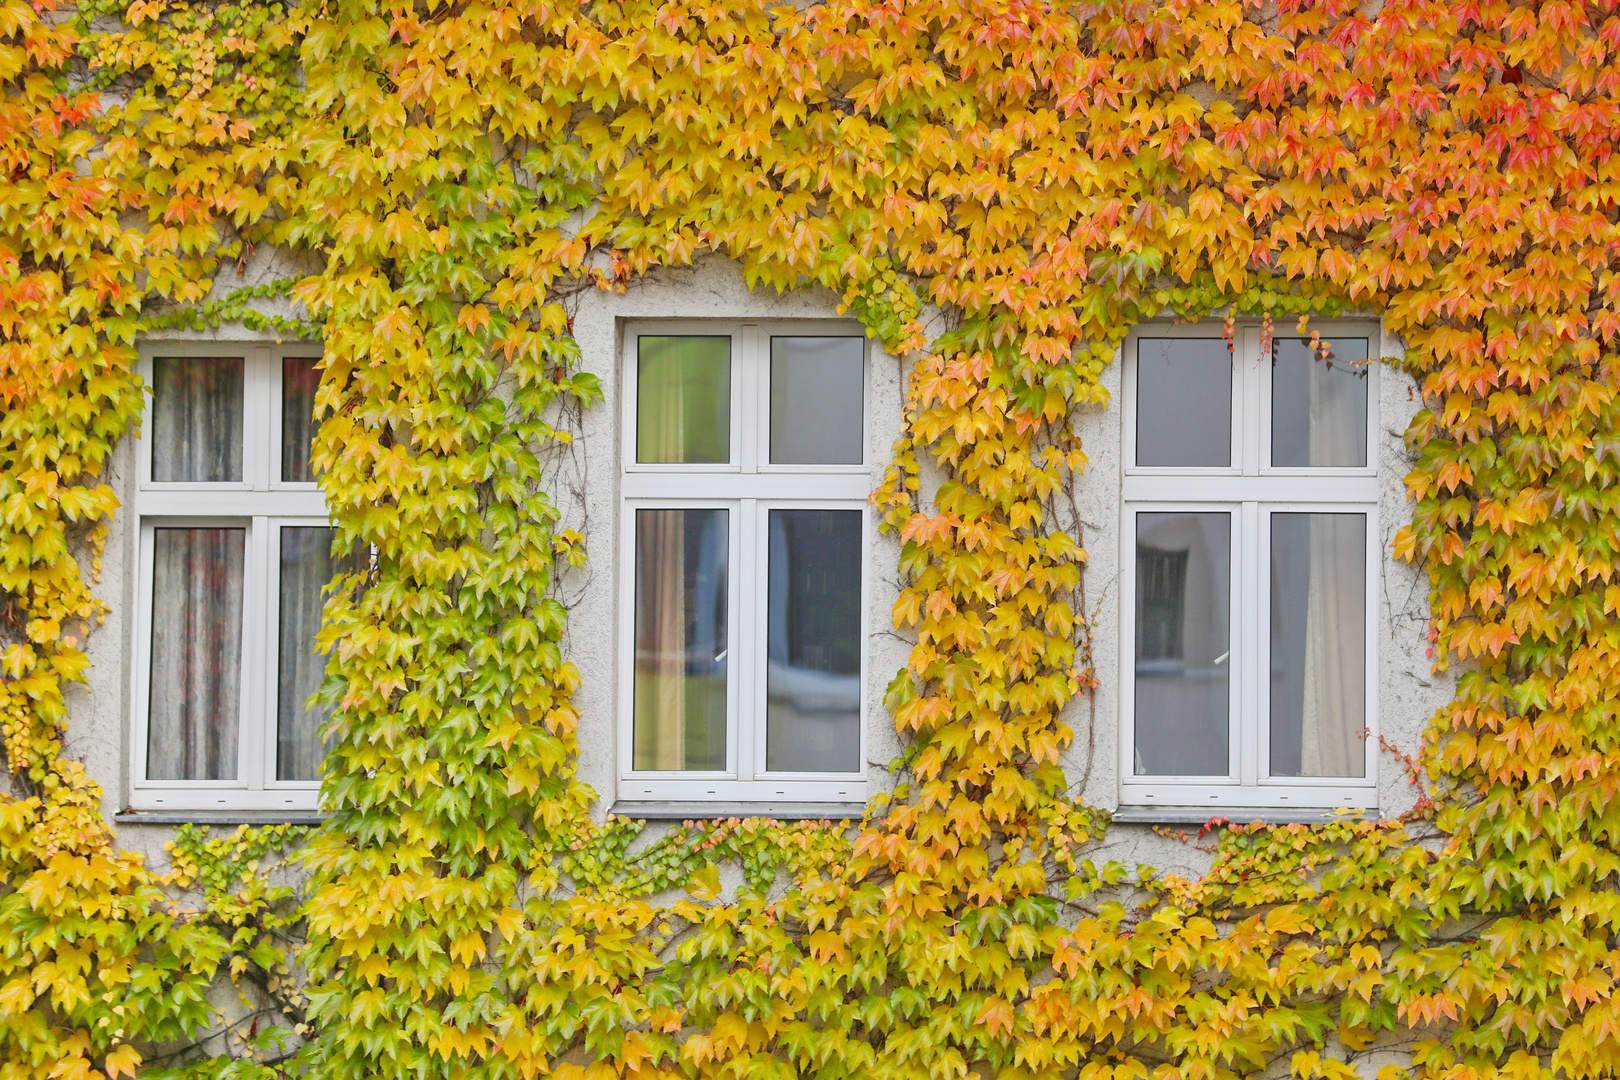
[452,174]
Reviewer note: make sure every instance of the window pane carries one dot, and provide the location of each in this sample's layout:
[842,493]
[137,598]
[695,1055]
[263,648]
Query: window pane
[683,400]
[817,400]
[1318,644]
[680,665]
[1183,402]
[196,653]
[813,671]
[1319,407]
[197,419]
[307,567]
[299,378]
[1183,662]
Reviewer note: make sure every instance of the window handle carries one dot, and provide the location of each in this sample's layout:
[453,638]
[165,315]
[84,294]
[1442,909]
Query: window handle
[721,655]
[1221,659]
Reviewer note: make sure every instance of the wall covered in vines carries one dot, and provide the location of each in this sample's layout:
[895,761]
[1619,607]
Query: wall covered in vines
[1051,174]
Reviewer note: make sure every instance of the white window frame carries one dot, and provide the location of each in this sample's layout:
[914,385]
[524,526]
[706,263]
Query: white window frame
[262,504]
[1251,490]
[749,486]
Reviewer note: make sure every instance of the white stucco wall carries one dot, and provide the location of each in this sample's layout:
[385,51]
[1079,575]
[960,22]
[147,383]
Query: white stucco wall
[587,491]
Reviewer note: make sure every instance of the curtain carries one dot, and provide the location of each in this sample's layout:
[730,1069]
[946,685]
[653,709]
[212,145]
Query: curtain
[196,653]
[683,415]
[683,399]
[1335,708]
[680,640]
[300,377]
[306,567]
[660,709]
[196,419]
[1335,692]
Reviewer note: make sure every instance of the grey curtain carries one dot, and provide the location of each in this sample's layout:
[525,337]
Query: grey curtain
[306,567]
[196,667]
[300,378]
[196,419]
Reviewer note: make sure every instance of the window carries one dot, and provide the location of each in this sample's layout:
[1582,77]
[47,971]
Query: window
[744,521]
[1250,512]
[234,553]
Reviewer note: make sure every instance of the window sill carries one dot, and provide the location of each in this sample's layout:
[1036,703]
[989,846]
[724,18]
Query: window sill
[1238,815]
[695,810]
[219,817]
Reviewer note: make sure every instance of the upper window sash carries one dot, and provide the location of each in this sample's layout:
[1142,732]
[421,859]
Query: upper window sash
[749,415]
[259,488]
[1250,424]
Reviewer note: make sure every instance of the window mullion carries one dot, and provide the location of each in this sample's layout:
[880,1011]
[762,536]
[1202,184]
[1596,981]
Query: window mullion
[258,577]
[746,688]
[258,386]
[1248,653]
[1249,409]
[750,397]
[269,699]
[1262,646]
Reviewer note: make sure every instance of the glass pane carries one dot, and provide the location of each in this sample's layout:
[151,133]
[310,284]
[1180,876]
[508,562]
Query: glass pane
[1183,658]
[196,653]
[817,400]
[197,419]
[307,567]
[683,400]
[1319,406]
[813,671]
[1183,402]
[680,665]
[299,378]
[1318,644]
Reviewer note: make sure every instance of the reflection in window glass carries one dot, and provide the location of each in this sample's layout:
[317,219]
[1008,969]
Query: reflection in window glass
[1319,406]
[196,664]
[680,663]
[813,670]
[197,419]
[299,380]
[1183,402]
[307,566]
[817,406]
[683,400]
[1183,658]
[1318,666]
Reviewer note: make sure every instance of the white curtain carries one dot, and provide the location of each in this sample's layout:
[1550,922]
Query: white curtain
[1335,701]
[196,653]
